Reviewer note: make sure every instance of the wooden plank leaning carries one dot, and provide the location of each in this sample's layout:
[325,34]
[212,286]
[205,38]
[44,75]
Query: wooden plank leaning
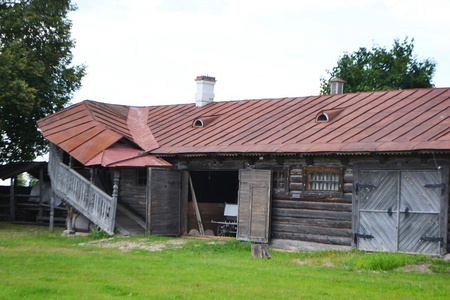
[197,211]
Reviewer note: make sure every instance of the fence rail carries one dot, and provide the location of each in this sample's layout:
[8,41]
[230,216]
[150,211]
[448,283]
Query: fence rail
[81,194]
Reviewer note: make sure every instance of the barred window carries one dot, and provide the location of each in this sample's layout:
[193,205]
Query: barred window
[322,179]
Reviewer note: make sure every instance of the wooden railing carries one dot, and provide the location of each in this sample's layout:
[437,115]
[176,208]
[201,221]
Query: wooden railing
[81,194]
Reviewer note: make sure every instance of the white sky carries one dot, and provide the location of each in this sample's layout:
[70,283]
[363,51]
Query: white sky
[148,52]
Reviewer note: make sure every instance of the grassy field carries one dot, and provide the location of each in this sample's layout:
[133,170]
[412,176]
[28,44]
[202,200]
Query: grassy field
[37,265]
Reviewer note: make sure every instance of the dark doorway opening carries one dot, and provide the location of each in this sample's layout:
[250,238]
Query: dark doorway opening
[212,189]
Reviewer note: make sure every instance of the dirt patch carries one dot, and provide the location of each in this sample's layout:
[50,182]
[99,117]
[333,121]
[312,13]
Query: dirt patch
[419,268]
[141,244]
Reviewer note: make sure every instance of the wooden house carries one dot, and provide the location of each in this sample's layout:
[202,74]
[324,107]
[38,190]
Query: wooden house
[368,170]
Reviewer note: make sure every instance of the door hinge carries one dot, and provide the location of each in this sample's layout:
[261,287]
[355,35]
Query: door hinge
[361,235]
[436,186]
[431,239]
[360,186]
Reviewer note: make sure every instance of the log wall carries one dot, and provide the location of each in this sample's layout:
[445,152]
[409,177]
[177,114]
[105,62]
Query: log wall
[322,218]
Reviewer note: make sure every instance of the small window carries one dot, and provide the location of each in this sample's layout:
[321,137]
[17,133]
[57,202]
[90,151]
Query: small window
[325,180]
[279,180]
[141,177]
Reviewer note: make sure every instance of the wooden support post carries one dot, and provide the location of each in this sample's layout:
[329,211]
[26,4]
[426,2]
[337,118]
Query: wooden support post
[12,199]
[260,251]
[52,211]
[115,197]
[69,229]
[41,200]
[197,211]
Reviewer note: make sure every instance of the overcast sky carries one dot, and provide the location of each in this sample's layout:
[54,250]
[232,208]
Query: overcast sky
[149,52]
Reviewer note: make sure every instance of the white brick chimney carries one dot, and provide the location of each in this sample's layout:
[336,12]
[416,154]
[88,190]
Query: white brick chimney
[205,90]
[337,86]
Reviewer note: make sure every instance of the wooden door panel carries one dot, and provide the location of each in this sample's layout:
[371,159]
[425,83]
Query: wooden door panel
[254,205]
[414,230]
[383,229]
[416,196]
[164,207]
[378,190]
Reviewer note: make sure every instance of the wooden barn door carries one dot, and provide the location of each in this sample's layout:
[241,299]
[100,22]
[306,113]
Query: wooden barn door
[254,205]
[399,211]
[377,192]
[164,202]
[420,207]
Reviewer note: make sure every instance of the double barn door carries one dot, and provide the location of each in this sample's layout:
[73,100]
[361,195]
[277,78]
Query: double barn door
[399,211]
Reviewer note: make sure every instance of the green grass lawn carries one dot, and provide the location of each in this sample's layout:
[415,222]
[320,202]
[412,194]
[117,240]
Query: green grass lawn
[37,265]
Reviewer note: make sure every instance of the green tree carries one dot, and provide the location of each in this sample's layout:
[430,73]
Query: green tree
[37,77]
[381,69]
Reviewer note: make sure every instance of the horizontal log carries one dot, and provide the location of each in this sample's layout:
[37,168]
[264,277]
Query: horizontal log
[312,222]
[296,171]
[296,186]
[296,178]
[348,187]
[347,197]
[330,215]
[312,205]
[348,178]
[299,196]
[312,230]
[312,238]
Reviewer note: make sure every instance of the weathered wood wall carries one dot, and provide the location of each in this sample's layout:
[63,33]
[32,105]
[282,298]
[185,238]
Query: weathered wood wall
[130,194]
[321,219]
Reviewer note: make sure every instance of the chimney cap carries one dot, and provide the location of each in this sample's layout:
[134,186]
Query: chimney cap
[337,79]
[205,78]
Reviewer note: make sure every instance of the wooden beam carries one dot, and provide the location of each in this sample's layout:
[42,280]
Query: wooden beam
[52,211]
[12,200]
[197,211]
[41,200]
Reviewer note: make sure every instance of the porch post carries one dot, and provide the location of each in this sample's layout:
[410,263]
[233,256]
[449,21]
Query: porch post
[115,196]
[41,189]
[12,200]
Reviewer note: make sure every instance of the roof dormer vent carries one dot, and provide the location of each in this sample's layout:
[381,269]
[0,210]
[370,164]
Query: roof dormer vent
[198,123]
[204,121]
[322,118]
[328,115]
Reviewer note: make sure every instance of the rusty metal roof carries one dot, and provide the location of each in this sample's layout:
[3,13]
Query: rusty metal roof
[399,120]
[85,130]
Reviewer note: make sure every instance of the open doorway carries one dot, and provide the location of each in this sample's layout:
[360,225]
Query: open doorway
[212,190]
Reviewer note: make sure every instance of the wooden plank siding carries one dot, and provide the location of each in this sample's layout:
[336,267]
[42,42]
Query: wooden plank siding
[321,219]
[130,194]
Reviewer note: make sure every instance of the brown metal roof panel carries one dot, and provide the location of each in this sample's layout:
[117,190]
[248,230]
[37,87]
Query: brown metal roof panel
[425,121]
[442,145]
[62,136]
[396,146]
[75,141]
[49,130]
[264,148]
[300,148]
[61,115]
[95,145]
[149,161]
[359,147]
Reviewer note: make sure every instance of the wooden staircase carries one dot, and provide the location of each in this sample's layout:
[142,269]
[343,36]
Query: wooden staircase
[128,223]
